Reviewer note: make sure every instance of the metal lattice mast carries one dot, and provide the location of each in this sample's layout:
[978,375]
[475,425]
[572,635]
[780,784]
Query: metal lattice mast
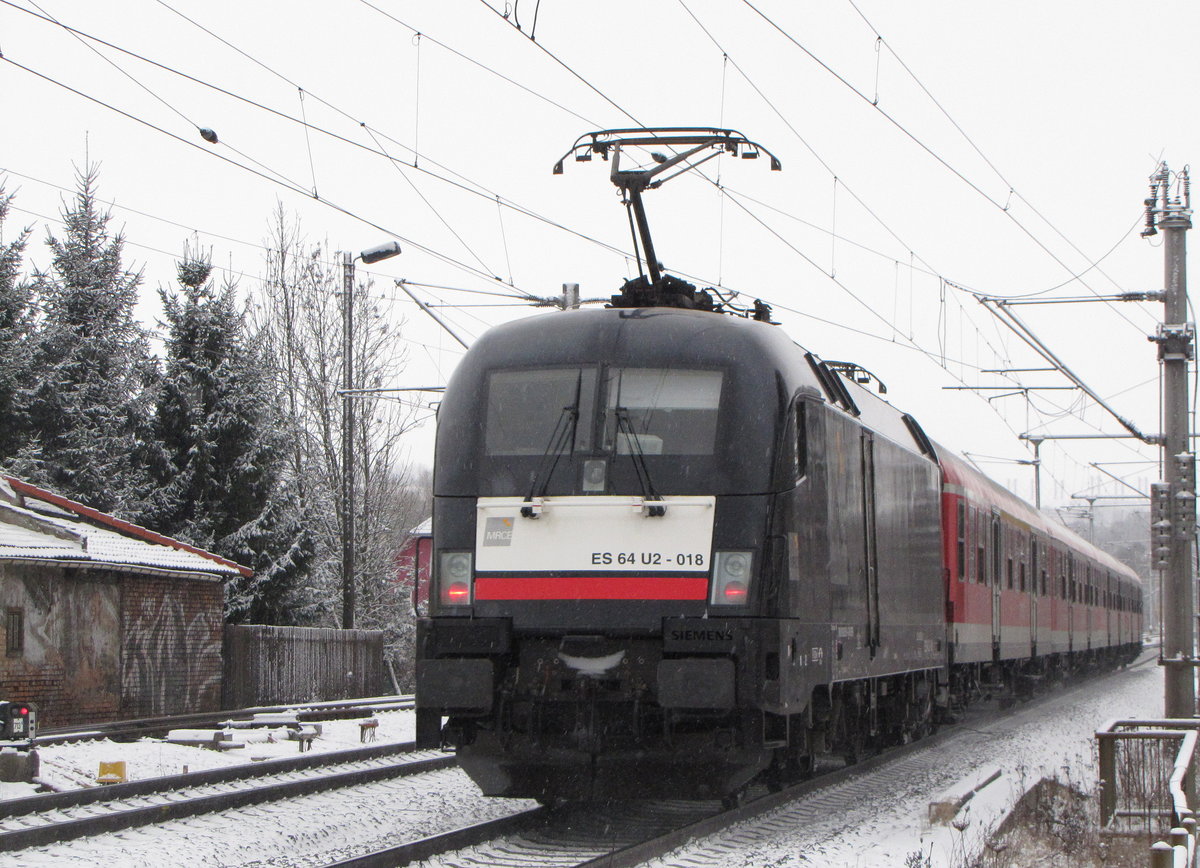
[1174,501]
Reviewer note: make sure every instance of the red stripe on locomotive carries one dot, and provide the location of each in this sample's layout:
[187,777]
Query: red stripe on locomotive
[591,588]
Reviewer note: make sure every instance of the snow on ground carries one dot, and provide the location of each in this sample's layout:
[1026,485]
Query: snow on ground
[308,830]
[878,820]
[75,765]
[874,820]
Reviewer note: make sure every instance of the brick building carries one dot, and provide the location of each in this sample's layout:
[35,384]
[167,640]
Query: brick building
[104,620]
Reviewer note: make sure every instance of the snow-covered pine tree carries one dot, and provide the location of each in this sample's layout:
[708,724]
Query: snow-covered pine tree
[89,396]
[227,488]
[16,323]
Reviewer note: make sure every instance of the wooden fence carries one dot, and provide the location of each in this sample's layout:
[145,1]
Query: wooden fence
[278,665]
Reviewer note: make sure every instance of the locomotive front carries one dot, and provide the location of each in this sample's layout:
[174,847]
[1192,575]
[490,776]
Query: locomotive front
[602,505]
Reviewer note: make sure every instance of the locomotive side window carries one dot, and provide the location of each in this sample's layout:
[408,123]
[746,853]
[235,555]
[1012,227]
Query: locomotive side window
[661,411]
[801,419]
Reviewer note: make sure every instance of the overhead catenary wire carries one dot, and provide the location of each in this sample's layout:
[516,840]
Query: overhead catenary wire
[288,185]
[758,90]
[970,141]
[257,246]
[465,184]
[628,114]
[370,131]
[803,141]
[865,333]
[921,144]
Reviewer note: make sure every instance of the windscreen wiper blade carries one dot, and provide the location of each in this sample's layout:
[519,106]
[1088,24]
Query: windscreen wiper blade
[654,510]
[560,443]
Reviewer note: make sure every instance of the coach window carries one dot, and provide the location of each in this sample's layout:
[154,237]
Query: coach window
[1022,577]
[14,632]
[1010,574]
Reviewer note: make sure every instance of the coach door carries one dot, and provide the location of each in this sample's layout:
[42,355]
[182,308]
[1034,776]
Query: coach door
[997,582]
[868,469]
[1033,594]
[1070,602]
[1108,609]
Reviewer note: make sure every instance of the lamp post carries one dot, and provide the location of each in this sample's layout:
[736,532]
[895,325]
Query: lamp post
[374,254]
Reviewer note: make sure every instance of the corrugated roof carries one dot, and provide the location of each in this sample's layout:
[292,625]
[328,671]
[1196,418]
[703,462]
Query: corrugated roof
[29,534]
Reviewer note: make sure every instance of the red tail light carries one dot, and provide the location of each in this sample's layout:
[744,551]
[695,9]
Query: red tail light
[731,578]
[454,576]
[735,592]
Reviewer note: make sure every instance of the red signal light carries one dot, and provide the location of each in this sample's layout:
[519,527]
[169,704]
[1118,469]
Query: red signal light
[735,591]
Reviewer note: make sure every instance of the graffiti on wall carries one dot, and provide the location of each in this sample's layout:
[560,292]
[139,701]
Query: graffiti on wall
[172,646]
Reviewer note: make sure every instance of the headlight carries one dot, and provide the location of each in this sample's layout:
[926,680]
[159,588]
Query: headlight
[454,578]
[731,579]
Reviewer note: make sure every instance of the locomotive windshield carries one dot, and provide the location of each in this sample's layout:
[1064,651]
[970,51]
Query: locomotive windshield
[615,402]
[658,411]
[651,411]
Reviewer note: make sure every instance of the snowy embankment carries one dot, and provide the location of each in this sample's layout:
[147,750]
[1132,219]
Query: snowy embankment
[879,819]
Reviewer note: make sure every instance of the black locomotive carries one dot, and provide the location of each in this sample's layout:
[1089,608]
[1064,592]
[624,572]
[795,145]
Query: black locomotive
[675,552]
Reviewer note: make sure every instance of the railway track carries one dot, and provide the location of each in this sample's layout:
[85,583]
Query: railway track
[625,834]
[628,834]
[306,713]
[45,819]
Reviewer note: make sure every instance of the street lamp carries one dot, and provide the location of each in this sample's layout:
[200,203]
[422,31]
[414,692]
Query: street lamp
[373,254]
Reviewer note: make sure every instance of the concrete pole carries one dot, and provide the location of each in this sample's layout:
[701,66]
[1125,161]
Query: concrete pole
[1037,471]
[1175,342]
[347,441]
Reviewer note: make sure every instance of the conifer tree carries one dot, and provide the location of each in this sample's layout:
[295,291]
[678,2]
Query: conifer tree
[226,488]
[89,395]
[15,327]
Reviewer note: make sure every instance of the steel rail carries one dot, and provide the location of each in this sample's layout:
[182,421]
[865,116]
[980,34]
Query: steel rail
[657,844]
[447,842]
[310,711]
[130,809]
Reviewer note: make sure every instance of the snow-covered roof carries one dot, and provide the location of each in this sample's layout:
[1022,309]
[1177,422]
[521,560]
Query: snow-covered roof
[38,525]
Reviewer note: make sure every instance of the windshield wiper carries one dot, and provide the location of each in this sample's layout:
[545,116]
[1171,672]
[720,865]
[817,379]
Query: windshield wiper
[640,467]
[559,445]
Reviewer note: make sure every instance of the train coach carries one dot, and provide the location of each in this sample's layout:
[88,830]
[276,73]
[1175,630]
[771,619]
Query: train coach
[675,553]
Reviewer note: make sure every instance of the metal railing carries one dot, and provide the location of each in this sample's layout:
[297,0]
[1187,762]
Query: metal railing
[1148,786]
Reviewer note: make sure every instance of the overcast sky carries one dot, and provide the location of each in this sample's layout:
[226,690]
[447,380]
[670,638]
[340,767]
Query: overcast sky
[926,146]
